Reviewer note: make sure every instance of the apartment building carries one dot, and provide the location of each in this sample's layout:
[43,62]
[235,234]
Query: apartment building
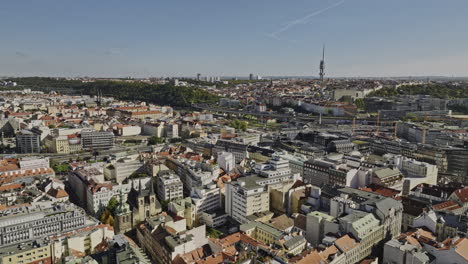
[162,238]
[153,129]
[83,241]
[169,187]
[126,130]
[64,144]
[262,232]
[226,161]
[193,173]
[239,150]
[387,177]
[34,251]
[420,246]
[418,133]
[245,197]
[206,199]
[123,169]
[316,171]
[12,171]
[152,114]
[30,223]
[296,162]
[364,227]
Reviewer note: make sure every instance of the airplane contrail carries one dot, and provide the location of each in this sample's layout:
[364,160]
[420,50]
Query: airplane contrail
[304,20]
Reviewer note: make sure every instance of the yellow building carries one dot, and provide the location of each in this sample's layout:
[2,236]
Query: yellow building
[185,209]
[30,252]
[63,144]
[262,232]
[297,199]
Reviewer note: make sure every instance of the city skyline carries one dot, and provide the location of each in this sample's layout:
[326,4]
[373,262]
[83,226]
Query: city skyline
[363,38]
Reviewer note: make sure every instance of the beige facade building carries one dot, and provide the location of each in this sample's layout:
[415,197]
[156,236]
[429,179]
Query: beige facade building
[81,241]
[262,232]
[37,251]
[244,198]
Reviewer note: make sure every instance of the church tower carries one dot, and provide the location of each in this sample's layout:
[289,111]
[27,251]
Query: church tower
[141,202]
[123,216]
[155,206]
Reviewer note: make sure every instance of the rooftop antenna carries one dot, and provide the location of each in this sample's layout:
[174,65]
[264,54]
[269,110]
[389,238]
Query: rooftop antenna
[322,64]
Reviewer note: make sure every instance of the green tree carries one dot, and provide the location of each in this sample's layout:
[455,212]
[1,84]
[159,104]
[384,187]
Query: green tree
[410,117]
[359,102]
[107,218]
[165,204]
[213,233]
[113,202]
[155,140]
[239,125]
[59,168]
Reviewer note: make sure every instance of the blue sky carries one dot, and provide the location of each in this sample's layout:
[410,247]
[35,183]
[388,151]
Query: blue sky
[237,37]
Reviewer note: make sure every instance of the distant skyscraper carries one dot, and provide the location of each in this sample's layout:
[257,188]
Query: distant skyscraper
[251,76]
[198,76]
[322,64]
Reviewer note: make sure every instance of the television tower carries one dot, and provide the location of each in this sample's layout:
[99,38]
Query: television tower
[322,64]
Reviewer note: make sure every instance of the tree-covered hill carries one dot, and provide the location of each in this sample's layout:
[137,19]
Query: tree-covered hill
[163,94]
[439,90]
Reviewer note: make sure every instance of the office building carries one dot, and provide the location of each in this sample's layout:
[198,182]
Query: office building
[97,140]
[206,199]
[244,198]
[169,187]
[28,142]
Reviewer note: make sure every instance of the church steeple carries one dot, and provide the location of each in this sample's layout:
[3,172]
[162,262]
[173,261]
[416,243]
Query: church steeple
[152,187]
[140,188]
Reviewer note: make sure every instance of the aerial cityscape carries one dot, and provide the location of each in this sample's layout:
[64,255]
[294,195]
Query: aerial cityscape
[193,132]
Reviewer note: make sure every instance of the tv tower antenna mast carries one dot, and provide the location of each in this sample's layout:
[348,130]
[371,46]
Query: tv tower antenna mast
[322,64]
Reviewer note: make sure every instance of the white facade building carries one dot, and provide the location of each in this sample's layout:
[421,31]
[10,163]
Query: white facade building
[244,199]
[416,172]
[34,163]
[206,199]
[226,161]
[169,187]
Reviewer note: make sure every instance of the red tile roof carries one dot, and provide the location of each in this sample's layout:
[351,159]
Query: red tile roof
[57,193]
[462,195]
[448,205]
[8,187]
[378,189]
